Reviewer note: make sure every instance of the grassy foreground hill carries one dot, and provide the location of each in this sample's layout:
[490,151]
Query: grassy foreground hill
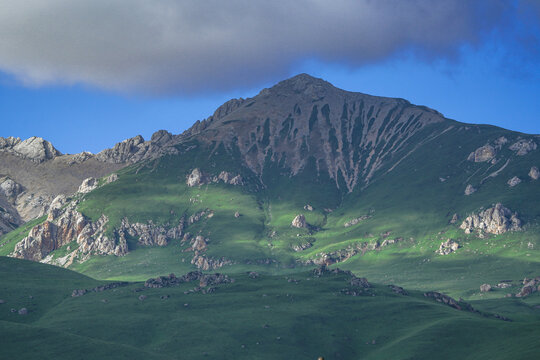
[298,316]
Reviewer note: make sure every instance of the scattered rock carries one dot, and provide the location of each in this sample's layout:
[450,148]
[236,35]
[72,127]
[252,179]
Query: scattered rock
[308,207]
[447,247]
[482,154]
[534,173]
[2,301]
[253,274]
[78,292]
[445,299]
[164,297]
[495,220]
[204,280]
[455,219]
[356,220]
[469,190]
[504,285]
[299,221]
[101,288]
[236,214]
[142,297]
[302,246]
[398,289]
[514,181]
[523,146]
[485,288]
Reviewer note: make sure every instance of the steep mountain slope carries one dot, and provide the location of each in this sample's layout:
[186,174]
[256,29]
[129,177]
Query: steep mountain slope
[347,135]
[307,174]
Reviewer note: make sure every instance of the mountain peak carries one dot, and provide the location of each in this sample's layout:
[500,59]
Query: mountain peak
[301,83]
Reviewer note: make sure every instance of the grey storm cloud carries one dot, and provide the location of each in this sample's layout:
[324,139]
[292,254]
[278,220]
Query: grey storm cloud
[191,46]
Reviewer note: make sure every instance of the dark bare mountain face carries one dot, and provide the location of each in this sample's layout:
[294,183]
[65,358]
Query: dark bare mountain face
[349,135]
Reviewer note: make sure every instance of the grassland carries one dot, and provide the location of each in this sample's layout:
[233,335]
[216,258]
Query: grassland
[264,318]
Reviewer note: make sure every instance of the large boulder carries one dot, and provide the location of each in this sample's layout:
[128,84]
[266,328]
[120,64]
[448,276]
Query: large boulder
[299,221]
[495,220]
[514,181]
[469,190]
[485,288]
[534,173]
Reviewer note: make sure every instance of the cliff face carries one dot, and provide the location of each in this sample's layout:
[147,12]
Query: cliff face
[348,134]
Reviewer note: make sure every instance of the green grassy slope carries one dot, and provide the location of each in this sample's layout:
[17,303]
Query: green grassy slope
[264,318]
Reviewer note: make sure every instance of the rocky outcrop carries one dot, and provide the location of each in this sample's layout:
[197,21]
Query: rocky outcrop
[66,225]
[63,227]
[534,173]
[299,222]
[149,234]
[495,220]
[302,246]
[197,178]
[204,262]
[10,189]
[514,181]
[137,149]
[229,178]
[198,216]
[203,279]
[34,148]
[483,154]
[398,290]
[469,190]
[356,220]
[523,146]
[500,142]
[447,247]
[455,219]
[341,255]
[447,300]
[88,185]
[529,286]
[101,288]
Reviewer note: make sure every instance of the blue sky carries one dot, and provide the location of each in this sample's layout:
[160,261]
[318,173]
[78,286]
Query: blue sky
[487,73]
